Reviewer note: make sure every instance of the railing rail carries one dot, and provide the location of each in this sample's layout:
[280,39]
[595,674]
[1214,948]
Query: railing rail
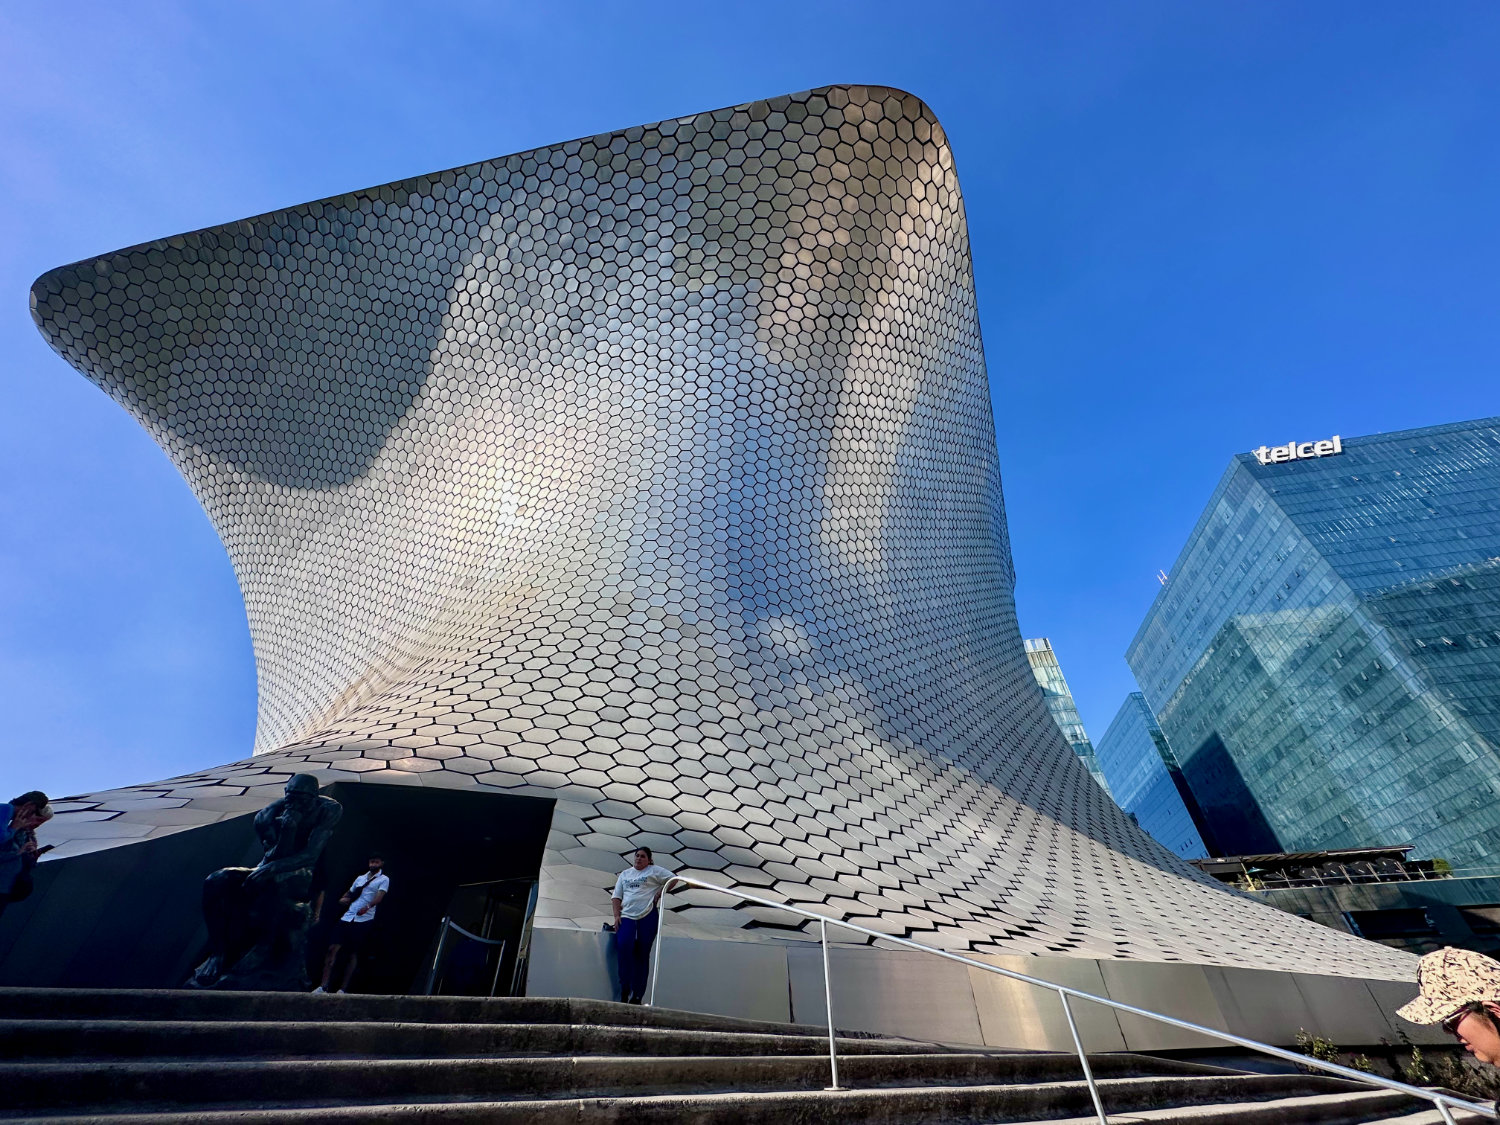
[1268,881]
[449,925]
[1442,1101]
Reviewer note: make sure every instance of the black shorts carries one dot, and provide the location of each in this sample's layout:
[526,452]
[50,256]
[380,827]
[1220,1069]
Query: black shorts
[352,935]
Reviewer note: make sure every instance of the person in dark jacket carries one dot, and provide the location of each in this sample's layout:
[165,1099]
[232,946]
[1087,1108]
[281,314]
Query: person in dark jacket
[19,820]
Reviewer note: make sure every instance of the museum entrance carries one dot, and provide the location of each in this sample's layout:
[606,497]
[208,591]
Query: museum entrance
[454,857]
[482,943]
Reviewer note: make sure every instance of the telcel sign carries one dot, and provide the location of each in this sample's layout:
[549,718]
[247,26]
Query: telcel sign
[1298,450]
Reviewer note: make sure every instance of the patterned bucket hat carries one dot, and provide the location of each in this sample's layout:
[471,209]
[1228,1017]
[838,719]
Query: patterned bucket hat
[1449,979]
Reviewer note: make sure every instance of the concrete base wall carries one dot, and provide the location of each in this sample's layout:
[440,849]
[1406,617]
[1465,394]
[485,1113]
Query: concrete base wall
[899,992]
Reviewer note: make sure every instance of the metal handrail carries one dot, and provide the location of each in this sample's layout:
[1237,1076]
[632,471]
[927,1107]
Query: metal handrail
[1440,1100]
[437,958]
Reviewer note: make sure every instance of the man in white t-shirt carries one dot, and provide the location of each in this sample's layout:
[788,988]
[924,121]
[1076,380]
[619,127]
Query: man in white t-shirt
[353,931]
[636,894]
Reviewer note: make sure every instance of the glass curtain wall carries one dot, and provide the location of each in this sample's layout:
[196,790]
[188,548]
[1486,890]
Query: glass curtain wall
[1326,653]
[1060,704]
[1138,763]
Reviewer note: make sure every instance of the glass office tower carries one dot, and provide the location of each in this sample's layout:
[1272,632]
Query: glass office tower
[1325,657]
[1060,705]
[1138,764]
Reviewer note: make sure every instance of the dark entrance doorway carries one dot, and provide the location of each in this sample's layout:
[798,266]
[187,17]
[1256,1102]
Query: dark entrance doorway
[434,842]
[484,941]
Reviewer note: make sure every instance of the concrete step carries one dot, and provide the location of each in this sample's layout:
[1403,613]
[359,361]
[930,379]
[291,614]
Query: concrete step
[186,1004]
[183,1058]
[55,1086]
[39,1040]
[1264,1103]
[1324,1109]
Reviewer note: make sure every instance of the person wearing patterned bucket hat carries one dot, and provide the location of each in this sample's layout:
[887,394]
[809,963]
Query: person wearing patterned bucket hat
[1460,990]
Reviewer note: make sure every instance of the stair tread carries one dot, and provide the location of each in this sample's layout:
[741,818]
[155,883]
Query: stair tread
[1185,1088]
[85,1038]
[76,1066]
[673,1107]
[129,1057]
[15,1002]
[1235,1111]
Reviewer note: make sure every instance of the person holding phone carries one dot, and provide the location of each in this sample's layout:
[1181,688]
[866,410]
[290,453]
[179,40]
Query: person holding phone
[19,820]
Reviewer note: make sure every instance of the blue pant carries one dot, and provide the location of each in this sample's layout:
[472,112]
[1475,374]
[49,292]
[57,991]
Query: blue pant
[633,944]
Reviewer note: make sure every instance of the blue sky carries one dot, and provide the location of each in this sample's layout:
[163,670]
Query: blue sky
[1197,227]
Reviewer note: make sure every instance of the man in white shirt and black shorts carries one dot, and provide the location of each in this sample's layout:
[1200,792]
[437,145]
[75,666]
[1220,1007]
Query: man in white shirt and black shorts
[354,927]
[636,894]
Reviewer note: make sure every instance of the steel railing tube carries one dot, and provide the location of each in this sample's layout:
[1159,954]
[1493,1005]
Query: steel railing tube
[661,933]
[437,957]
[1088,1071]
[833,1051]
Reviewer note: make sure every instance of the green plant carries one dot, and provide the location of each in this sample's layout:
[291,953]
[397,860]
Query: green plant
[1415,1072]
[1316,1046]
[1451,1072]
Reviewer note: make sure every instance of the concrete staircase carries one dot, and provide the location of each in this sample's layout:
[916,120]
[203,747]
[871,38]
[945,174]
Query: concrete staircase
[184,1058]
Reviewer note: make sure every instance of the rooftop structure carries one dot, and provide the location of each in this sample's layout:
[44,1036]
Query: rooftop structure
[1378,893]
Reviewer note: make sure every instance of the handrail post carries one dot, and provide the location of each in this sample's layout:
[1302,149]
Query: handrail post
[1088,1071]
[499,962]
[437,957]
[833,1051]
[661,925]
[1443,1109]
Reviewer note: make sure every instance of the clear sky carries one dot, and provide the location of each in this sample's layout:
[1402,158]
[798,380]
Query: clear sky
[1197,227]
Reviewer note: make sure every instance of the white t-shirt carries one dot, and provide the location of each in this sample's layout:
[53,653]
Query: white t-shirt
[363,893]
[636,890]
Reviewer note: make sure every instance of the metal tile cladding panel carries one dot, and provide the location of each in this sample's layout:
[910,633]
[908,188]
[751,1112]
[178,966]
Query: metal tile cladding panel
[653,472]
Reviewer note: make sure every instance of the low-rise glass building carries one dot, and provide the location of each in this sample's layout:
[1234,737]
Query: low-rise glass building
[1138,764]
[1060,704]
[1325,655]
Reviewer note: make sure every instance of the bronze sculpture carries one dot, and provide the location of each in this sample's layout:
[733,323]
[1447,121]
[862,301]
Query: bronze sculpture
[258,917]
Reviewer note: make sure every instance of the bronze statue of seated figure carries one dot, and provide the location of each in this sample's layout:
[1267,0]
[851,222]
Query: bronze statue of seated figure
[258,917]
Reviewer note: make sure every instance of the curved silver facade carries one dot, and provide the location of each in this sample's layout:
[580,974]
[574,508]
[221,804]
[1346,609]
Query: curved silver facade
[653,472]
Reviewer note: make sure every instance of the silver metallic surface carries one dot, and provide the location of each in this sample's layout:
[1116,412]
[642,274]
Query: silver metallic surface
[1173,990]
[728,978]
[933,998]
[1012,1014]
[573,963]
[652,472]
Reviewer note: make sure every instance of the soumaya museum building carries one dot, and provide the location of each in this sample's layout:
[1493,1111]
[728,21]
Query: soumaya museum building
[1324,660]
[643,489]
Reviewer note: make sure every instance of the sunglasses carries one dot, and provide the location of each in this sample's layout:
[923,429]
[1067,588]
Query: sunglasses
[1450,1025]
